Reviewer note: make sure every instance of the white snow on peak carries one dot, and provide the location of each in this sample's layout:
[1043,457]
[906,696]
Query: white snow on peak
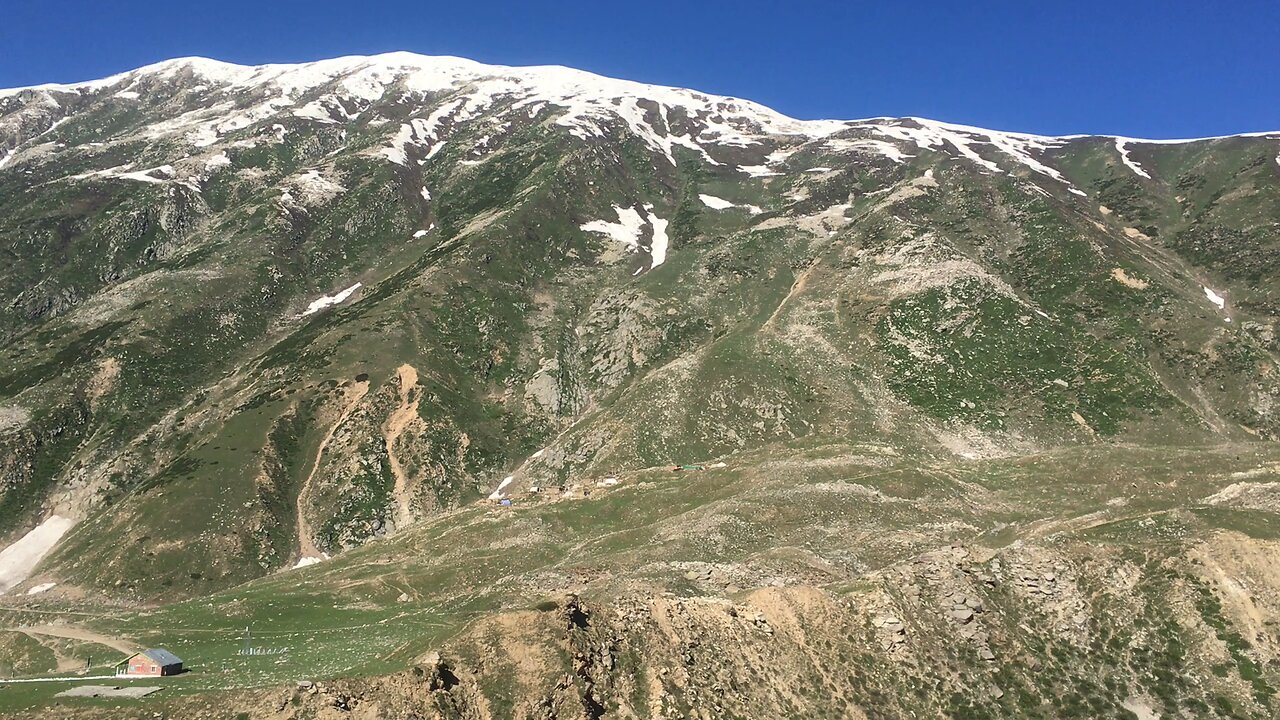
[934,135]
[589,106]
[877,147]
[327,300]
[586,101]
[369,77]
[1122,147]
[424,132]
[319,110]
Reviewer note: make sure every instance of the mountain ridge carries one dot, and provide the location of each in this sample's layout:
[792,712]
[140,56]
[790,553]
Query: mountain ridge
[403,60]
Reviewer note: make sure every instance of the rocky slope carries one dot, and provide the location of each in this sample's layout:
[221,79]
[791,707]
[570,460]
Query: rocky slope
[256,317]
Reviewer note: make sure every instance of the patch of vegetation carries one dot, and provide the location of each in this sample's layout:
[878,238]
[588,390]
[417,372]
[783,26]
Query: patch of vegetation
[968,352]
[1246,667]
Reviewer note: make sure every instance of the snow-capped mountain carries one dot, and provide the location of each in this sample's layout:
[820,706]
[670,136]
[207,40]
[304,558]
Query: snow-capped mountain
[256,318]
[430,95]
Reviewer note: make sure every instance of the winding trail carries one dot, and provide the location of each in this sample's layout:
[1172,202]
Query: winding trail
[397,421]
[71,632]
[306,546]
[797,286]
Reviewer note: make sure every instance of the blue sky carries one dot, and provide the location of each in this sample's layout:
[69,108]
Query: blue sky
[1148,69]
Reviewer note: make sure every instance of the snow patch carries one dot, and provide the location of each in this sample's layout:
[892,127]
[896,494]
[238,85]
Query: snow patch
[625,231]
[314,187]
[126,172]
[715,203]
[52,127]
[660,241]
[425,132]
[149,176]
[310,560]
[497,494]
[42,587]
[1215,298]
[19,559]
[758,170]
[217,161]
[585,103]
[203,137]
[588,106]
[327,300]
[315,110]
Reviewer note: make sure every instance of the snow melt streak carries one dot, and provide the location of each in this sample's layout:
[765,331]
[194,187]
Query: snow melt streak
[1122,147]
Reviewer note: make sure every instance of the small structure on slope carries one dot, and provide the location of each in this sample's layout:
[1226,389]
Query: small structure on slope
[155,662]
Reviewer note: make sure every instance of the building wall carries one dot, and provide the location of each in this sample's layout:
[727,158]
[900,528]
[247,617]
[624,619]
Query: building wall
[143,666]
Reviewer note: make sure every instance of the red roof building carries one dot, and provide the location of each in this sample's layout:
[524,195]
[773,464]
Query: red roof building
[155,662]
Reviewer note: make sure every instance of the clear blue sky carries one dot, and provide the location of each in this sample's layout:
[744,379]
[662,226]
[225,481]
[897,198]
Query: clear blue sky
[1146,68]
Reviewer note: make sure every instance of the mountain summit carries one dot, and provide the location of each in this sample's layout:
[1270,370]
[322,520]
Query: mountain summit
[395,356]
